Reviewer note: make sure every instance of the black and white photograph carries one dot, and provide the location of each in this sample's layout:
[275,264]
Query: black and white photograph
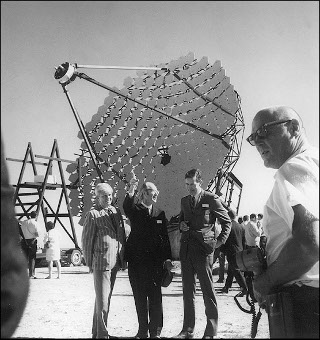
[159,169]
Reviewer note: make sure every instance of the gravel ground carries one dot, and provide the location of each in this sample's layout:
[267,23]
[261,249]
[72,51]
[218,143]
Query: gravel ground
[63,308]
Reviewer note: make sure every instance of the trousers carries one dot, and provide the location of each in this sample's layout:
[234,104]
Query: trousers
[30,250]
[147,297]
[103,285]
[305,303]
[197,264]
[234,272]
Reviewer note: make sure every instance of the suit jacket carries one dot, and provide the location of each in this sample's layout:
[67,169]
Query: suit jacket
[203,216]
[236,241]
[102,241]
[149,235]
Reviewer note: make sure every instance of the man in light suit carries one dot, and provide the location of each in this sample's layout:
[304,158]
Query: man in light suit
[199,239]
[103,240]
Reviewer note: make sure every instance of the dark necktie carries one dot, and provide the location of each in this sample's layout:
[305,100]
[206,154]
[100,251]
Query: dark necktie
[193,202]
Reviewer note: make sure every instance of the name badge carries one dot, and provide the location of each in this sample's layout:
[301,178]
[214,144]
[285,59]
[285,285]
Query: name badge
[159,221]
[205,205]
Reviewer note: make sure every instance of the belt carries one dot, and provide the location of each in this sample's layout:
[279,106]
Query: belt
[202,230]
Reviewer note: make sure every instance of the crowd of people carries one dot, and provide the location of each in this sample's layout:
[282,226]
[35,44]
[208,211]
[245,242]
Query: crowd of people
[287,232]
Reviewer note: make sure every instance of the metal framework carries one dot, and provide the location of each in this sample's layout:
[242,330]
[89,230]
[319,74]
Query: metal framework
[25,190]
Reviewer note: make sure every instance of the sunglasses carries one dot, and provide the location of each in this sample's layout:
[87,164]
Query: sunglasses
[263,131]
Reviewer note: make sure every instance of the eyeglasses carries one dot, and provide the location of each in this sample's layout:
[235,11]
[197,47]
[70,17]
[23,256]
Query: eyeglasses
[152,193]
[263,131]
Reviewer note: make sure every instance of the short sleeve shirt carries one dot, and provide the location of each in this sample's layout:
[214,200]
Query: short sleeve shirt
[30,228]
[296,182]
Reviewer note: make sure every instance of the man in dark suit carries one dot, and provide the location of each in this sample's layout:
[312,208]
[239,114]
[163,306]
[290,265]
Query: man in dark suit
[147,252]
[236,242]
[199,239]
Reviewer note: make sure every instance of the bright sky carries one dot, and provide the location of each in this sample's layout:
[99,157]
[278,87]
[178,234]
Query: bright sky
[269,49]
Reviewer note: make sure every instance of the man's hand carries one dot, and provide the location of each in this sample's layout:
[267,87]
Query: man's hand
[261,288]
[133,185]
[134,182]
[168,265]
[184,226]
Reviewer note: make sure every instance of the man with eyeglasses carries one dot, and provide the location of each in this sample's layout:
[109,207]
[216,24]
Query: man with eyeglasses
[148,251]
[291,218]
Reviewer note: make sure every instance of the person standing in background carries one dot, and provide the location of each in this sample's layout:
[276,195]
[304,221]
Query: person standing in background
[29,243]
[236,242]
[52,245]
[263,237]
[245,220]
[252,232]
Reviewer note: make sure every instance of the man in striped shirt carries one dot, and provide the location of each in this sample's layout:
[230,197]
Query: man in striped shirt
[103,240]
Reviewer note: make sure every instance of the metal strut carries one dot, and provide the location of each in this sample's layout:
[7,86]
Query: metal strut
[91,80]
[84,133]
[202,96]
[89,144]
[66,73]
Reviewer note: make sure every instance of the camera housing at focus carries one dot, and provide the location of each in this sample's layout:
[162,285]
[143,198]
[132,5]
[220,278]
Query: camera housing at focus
[251,260]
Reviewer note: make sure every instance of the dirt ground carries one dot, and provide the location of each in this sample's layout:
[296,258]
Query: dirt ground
[63,308]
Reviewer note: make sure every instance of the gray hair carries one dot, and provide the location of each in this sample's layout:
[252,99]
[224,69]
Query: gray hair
[102,188]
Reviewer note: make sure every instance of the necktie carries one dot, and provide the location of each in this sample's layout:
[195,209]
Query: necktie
[193,201]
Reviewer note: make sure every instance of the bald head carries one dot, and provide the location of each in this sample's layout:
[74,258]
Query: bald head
[277,134]
[276,113]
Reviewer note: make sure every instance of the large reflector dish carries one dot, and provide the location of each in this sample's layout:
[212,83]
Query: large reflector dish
[198,130]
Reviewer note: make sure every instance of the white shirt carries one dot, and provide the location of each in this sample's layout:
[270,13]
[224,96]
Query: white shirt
[149,207]
[296,182]
[252,234]
[30,228]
